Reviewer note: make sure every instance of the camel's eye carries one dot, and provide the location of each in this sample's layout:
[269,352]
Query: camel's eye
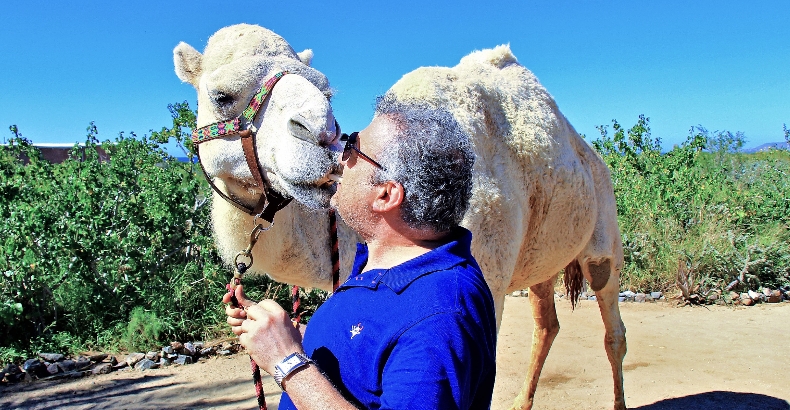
[222,99]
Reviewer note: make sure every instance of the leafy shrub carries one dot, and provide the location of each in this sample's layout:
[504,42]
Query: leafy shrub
[720,213]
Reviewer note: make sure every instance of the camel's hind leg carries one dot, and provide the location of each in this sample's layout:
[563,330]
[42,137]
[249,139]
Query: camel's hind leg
[605,281]
[541,297]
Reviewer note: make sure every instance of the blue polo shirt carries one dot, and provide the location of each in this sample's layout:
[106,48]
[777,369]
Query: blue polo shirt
[420,335]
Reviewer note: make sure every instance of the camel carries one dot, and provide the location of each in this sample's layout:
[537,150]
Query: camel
[542,198]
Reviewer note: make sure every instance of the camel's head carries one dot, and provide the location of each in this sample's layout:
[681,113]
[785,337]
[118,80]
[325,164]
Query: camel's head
[297,140]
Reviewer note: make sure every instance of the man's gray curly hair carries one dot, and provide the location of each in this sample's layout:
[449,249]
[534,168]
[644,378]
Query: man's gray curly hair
[432,158]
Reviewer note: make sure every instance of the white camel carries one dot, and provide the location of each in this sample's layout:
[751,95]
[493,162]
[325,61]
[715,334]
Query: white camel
[542,198]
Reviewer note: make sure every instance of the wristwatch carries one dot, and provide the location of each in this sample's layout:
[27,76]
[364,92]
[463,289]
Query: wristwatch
[288,365]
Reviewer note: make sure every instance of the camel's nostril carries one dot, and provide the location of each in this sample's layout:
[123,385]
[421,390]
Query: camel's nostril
[300,131]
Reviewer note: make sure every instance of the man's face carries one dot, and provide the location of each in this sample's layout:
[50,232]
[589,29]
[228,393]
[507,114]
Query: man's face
[355,193]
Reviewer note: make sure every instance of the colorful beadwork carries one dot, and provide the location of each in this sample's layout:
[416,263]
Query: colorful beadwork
[230,127]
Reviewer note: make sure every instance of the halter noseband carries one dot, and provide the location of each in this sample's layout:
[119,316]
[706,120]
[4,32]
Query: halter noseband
[270,200]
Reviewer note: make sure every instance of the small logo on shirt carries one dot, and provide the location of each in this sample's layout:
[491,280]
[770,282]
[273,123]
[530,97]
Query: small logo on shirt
[356,329]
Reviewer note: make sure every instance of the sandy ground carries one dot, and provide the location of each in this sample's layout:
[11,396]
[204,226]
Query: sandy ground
[678,358]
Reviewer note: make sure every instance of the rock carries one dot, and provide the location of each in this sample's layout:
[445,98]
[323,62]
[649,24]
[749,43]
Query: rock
[226,346]
[656,295]
[133,358]
[12,369]
[208,351]
[168,350]
[83,362]
[713,296]
[176,346]
[113,360]
[516,294]
[172,356]
[53,369]
[165,362]
[734,296]
[787,294]
[774,297]
[639,298]
[102,368]
[145,364]
[757,296]
[224,352]
[620,299]
[120,365]
[98,357]
[152,356]
[593,297]
[199,345]
[767,291]
[189,349]
[649,298]
[747,302]
[51,357]
[183,360]
[67,365]
[628,294]
[35,369]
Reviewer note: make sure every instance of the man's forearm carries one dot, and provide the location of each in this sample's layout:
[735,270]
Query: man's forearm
[309,389]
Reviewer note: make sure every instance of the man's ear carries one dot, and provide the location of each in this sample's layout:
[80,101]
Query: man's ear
[389,196]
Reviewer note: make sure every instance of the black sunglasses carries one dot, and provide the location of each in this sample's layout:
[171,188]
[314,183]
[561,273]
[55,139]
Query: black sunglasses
[351,145]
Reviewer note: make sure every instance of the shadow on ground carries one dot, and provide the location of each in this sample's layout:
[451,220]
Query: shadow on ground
[719,400]
[149,392]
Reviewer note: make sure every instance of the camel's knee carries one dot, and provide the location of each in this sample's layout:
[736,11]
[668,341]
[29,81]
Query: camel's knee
[615,341]
[549,331]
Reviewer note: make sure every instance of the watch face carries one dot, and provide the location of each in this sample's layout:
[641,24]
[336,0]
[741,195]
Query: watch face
[289,363]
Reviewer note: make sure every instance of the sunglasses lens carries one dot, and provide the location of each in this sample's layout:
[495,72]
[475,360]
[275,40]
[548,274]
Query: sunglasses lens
[351,140]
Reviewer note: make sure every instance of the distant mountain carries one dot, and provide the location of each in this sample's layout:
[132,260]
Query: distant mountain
[767,146]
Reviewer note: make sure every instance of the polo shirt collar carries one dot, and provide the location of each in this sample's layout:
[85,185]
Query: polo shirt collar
[398,278]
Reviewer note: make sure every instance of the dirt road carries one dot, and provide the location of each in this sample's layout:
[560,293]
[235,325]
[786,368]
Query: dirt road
[678,358]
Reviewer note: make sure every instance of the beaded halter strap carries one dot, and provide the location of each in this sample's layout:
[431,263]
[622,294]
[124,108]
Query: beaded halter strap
[270,201]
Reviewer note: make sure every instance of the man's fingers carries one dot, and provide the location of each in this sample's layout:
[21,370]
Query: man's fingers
[235,322]
[235,312]
[265,308]
[242,298]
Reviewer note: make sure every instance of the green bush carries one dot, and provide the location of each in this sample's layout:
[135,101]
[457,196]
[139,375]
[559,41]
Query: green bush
[702,210]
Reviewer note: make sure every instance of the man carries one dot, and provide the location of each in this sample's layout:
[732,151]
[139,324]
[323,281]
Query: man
[413,327]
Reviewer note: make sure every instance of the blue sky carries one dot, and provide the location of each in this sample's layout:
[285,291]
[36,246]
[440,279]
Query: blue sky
[724,65]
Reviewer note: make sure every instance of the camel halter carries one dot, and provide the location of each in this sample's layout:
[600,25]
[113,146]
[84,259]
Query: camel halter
[268,204]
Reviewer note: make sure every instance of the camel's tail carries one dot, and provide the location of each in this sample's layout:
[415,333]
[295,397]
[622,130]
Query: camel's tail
[573,281]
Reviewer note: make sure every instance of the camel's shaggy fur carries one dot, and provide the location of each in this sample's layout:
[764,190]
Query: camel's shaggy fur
[542,198]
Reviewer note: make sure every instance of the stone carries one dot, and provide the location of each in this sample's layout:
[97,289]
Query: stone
[183,360]
[199,345]
[224,352]
[176,346]
[145,364]
[152,356]
[67,365]
[713,296]
[189,349]
[35,369]
[767,291]
[51,357]
[787,294]
[620,299]
[120,365]
[639,298]
[133,358]
[102,368]
[98,357]
[113,360]
[649,298]
[774,297]
[747,301]
[516,294]
[734,296]
[165,362]
[83,362]
[207,351]
[757,296]
[172,356]
[593,297]
[656,295]
[628,294]
[168,350]
[53,369]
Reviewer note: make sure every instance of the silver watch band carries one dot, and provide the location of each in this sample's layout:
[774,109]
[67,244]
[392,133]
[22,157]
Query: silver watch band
[290,364]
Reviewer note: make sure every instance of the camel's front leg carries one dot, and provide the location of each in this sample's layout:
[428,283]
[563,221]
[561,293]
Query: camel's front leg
[541,297]
[606,279]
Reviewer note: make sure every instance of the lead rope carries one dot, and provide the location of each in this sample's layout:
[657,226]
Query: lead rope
[296,316]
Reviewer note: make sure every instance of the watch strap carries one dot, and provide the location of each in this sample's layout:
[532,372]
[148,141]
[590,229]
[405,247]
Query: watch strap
[288,365]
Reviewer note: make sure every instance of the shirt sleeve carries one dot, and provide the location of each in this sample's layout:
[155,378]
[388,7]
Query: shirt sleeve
[435,364]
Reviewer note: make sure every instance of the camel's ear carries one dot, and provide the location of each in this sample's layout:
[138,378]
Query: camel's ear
[188,62]
[306,57]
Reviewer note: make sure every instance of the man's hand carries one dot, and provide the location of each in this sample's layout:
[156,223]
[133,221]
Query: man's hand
[264,329]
